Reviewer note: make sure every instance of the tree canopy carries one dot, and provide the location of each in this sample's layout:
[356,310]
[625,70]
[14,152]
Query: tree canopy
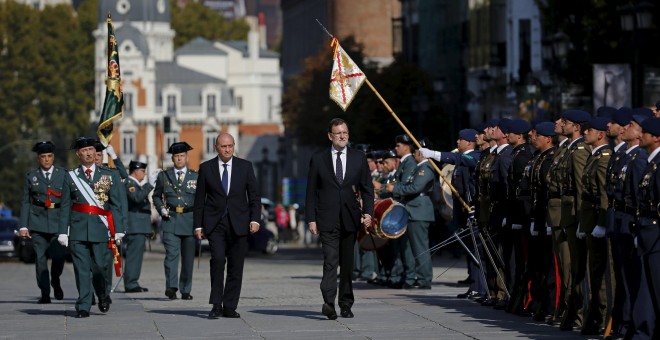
[196,20]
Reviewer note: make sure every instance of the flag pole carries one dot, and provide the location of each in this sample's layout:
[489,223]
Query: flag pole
[387,106]
[435,167]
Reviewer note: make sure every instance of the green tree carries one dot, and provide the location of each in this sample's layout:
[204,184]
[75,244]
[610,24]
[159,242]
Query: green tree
[196,20]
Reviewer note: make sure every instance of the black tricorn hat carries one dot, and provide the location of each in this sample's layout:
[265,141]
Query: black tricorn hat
[43,147]
[99,146]
[83,142]
[389,154]
[405,139]
[362,147]
[179,147]
[136,165]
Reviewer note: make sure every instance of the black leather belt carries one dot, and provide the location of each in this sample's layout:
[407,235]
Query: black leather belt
[649,214]
[590,198]
[181,210]
[43,205]
[621,206]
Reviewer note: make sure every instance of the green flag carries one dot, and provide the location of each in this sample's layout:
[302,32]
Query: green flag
[114,98]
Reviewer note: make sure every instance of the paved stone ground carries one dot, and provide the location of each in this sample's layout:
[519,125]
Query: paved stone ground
[280,300]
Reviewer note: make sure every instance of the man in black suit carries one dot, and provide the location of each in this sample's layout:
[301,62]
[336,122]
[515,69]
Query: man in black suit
[336,177]
[227,206]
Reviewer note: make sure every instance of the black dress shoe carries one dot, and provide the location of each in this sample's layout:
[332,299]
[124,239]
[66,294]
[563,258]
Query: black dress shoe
[104,305]
[465,295]
[230,313]
[346,312]
[215,313]
[501,305]
[489,302]
[186,296]
[44,299]
[137,289]
[397,285]
[59,294]
[171,293]
[329,311]
[82,314]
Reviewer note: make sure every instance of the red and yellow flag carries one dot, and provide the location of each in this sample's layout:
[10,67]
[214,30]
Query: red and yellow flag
[346,77]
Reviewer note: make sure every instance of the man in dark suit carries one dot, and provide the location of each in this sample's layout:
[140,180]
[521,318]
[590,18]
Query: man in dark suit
[227,206]
[336,177]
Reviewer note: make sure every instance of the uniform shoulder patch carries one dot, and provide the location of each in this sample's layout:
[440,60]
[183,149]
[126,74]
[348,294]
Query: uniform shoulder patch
[131,189]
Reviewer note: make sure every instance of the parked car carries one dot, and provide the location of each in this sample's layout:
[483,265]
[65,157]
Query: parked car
[8,237]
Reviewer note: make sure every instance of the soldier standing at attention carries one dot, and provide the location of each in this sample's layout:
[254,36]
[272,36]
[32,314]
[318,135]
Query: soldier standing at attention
[570,173]
[40,212]
[174,197]
[92,214]
[139,224]
[592,219]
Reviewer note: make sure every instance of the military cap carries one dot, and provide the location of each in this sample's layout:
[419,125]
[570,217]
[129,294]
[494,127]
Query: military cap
[99,146]
[576,116]
[481,127]
[469,135]
[136,165]
[503,124]
[492,123]
[545,129]
[362,147]
[657,105]
[599,123]
[519,126]
[377,154]
[179,147]
[43,147]
[389,154]
[622,116]
[606,111]
[82,142]
[643,111]
[425,143]
[652,126]
[404,139]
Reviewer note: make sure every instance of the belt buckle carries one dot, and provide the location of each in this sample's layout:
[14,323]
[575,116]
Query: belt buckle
[51,206]
[179,210]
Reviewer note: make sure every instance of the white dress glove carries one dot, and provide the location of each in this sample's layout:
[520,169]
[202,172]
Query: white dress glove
[599,232]
[153,176]
[427,153]
[532,231]
[63,239]
[548,231]
[504,222]
[118,237]
[111,151]
[164,212]
[635,241]
[579,233]
[516,226]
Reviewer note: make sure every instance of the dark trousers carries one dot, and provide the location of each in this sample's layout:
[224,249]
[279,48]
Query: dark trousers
[183,247]
[229,248]
[337,247]
[133,261]
[46,245]
[90,265]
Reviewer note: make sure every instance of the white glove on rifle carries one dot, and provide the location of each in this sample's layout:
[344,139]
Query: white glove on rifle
[598,232]
[111,151]
[164,212]
[579,233]
[63,239]
[532,231]
[504,222]
[427,153]
[548,231]
[153,176]
[118,237]
[635,241]
[516,226]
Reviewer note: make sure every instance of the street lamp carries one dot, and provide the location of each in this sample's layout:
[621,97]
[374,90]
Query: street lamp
[636,18]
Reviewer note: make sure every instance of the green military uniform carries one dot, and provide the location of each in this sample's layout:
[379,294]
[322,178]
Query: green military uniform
[483,175]
[403,271]
[414,194]
[594,210]
[177,198]
[42,221]
[571,170]
[88,235]
[139,226]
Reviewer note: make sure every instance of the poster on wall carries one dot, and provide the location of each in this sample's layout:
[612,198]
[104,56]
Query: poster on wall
[612,85]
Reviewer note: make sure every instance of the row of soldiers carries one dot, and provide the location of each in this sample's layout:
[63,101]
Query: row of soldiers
[93,208]
[563,223]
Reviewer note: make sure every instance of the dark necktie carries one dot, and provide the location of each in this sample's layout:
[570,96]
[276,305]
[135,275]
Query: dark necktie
[88,173]
[179,176]
[225,178]
[48,176]
[339,172]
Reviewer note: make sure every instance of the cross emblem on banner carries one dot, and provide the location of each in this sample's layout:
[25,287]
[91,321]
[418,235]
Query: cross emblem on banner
[346,78]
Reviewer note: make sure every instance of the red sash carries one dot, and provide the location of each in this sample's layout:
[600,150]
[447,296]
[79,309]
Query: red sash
[92,209]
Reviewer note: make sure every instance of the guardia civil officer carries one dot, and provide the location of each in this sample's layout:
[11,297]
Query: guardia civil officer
[174,197]
[40,213]
[139,223]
